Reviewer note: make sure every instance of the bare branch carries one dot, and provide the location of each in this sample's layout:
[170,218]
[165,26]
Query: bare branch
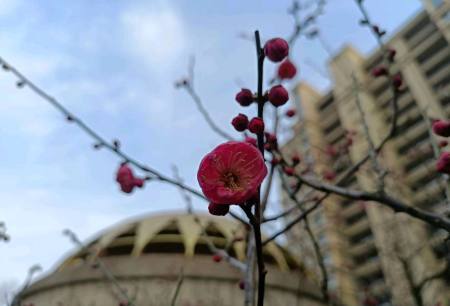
[99,140]
[3,233]
[17,300]
[98,263]
[188,85]
[394,204]
[177,288]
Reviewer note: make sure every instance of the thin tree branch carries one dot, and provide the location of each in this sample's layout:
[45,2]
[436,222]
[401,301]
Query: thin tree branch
[17,300]
[372,152]
[188,85]
[177,288]
[97,262]
[256,222]
[386,200]
[99,140]
[3,233]
[316,247]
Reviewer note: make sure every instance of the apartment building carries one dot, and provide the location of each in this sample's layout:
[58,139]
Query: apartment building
[370,252]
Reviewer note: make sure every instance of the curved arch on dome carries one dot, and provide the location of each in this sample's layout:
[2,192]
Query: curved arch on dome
[178,233]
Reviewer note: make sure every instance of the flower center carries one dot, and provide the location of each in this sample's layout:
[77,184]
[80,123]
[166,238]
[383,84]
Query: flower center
[231,180]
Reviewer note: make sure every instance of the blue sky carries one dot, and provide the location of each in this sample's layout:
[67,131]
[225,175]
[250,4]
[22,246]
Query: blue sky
[114,64]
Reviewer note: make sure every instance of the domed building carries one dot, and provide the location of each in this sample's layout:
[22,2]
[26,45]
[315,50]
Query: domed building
[149,259]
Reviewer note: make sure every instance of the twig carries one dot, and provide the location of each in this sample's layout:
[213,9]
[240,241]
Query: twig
[99,140]
[249,272]
[3,233]
[188,85]
[381,198]
[316,248]
[256,221]
[177,288]
[372,150]
[17,300]
[435,147]
[186,197]
[101,265]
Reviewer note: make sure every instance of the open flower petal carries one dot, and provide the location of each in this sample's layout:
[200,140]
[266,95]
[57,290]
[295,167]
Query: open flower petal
[231,173]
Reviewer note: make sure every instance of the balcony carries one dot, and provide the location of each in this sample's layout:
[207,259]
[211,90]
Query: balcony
[334,136]
[416,158]
[430,191]
[425,169]
[437,63]
[357,227]
[351,210]
[379,288]
[429,47]
[422,35]
[363,247]
[368,268]
[408,136]
[330,123]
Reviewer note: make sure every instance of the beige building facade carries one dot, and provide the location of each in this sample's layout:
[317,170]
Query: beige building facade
[370,252]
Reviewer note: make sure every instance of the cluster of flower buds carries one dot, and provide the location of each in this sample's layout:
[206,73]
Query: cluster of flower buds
[442,128]
[127,180]
[229,181]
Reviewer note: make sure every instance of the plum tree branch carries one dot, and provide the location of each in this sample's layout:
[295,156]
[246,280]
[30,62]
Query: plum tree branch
[188,85]
[99,140]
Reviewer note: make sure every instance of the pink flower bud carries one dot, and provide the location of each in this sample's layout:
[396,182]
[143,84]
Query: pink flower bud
[443,163]
[256,125]
[270,137]
[138,182]
[287,70]
[244,97]
[443,143]
[240,122]
[291,113]
[329,175]
[275,161]
[331,151]
[391,54]
[397,81]
[278,95]
[441,128]
[276,49]
[124,173]
[218,209]
[242,284]
[379,71]
[217,258]
[296,160]
[289,171]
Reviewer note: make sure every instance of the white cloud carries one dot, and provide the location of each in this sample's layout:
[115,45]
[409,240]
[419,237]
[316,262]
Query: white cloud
[156,36]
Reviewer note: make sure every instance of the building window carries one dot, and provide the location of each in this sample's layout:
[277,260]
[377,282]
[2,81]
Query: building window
[437,3]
